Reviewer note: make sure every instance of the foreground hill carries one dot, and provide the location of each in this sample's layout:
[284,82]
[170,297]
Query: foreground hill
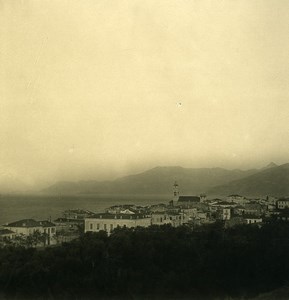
[272,181]
[155,181]
[159,263]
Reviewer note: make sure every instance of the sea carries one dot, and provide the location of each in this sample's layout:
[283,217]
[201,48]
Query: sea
[45,207]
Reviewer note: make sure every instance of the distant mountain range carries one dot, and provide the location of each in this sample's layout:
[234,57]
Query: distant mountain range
[271,180]
[158,180]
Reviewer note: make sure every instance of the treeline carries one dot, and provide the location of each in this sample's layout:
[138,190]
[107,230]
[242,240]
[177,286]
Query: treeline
[152,263]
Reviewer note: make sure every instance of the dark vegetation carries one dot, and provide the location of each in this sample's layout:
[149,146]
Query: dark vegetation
[152,263]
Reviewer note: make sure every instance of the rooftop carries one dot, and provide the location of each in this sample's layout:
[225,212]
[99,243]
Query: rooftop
[66,220]
[189,199]
[170,213]
[118,216]
[283,199]
[78,211]
[46,223]
[30,223]
[224,203]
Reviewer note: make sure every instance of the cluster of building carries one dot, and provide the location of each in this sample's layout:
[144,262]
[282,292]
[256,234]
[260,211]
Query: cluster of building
[191,211]
[181,210]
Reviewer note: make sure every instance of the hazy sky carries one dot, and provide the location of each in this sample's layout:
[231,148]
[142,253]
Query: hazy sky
[91,88]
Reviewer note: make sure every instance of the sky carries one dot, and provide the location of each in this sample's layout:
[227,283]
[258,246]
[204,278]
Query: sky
[96,89]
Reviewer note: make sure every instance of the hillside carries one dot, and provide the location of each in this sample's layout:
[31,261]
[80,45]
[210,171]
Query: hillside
[158,180]
[272,181]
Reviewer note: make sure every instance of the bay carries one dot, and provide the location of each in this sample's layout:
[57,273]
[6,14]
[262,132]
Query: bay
[43,207]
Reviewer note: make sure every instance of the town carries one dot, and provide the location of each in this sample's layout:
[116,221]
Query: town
[181,210]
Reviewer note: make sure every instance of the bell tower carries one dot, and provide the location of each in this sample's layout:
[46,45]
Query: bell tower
[176,191]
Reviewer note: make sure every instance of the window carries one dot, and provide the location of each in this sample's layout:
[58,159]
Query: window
[161,219]
[104,226]
[52,230]
[90,226]
[97,226]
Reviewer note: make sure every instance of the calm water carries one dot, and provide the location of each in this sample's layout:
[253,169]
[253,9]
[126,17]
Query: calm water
[17,207]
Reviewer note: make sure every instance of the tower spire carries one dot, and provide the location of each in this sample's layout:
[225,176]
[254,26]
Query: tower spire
[176,191]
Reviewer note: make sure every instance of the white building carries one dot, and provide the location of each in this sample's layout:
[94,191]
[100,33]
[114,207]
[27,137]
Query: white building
[168,217]
[28,227]
[108,222]
[251,219]
[238,199]
[226,213]
[282,203]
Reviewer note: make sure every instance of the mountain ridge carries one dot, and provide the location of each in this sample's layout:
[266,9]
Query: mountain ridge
[158,180]
[273,181]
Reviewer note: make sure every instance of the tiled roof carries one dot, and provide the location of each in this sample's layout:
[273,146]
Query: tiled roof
[189,199]
[170,213]
[24,223]
[66,220]
[117,216]
[46,223]
[30,223]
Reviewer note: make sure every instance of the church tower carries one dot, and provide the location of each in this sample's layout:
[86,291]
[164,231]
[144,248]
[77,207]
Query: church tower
[176,191]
